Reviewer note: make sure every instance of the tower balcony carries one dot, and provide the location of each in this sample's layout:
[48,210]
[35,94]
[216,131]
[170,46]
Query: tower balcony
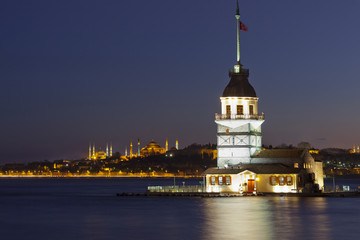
[236,116]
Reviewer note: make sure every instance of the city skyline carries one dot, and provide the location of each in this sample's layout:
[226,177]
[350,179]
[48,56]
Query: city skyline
[111,72]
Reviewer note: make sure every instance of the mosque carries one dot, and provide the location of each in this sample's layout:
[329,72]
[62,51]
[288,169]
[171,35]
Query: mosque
[99,154]
[242,165]
[151,149]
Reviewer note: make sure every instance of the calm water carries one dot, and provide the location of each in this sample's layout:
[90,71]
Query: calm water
[88,209]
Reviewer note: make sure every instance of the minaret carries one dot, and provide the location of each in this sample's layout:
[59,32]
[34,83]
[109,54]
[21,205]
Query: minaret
[107,149]
[89,151]
[177,144]
[238,124]
[110,149]
[166,145]
[138,148]
[131,149]
[358,149]
[126,152]
[93,151]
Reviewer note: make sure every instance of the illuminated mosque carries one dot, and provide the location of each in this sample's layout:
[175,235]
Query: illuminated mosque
[151,149]
[355,149]
[242,165]
[99,154]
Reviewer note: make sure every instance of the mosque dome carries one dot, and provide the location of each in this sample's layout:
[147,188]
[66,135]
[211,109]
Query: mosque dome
[152,144]
[152,148]
[239,86]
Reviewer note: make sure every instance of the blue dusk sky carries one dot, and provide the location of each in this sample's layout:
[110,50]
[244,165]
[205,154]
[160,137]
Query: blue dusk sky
[74,72]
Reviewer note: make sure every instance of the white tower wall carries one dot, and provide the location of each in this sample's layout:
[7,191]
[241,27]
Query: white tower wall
[238,135]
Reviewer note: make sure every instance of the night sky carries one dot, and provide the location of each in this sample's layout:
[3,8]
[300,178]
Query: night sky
[74,72]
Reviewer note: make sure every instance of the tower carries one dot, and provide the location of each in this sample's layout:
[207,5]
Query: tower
[131,149]
[107,149]
[89,151]
[166,145]
[126,152]
[138,148]
[111,149]
[93,155]
[177,144]
[238,124]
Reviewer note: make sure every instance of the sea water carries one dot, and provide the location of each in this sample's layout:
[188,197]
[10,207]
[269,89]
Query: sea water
[87,208]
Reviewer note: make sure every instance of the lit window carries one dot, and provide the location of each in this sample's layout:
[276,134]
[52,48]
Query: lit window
[273,180]
[220,180]
[296,165]
[228,111]
[281,181]
[251,109]
[212,180]
[228,180]
[240,109]
[289,180]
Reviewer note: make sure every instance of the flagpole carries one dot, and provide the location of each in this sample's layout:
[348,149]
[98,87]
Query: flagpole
[237,16]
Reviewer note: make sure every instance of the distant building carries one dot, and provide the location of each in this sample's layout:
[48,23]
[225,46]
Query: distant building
[152,148]
[355,149]
[99,154]
[242,165]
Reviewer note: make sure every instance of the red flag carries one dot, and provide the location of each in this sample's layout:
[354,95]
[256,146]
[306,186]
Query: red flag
[243,27]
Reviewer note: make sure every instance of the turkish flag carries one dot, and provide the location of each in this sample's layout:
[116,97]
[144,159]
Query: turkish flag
[243,27]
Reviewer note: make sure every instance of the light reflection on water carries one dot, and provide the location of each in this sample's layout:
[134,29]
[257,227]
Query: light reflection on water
[266,218]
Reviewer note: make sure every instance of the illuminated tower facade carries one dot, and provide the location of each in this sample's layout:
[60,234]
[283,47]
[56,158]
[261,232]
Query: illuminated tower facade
[177,144]
[107,149]
[166,145]
[238,124]
[126,153]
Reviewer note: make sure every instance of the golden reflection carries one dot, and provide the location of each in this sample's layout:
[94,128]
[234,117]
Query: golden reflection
[266,218]
[237,218]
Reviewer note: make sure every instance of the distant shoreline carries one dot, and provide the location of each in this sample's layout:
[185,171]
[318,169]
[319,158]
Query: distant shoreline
[123,176]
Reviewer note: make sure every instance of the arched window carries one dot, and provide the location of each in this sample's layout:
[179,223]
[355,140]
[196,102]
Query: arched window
[228,180]
[212,180]
[281,181]
[289,180]
[221,180]
[273,180]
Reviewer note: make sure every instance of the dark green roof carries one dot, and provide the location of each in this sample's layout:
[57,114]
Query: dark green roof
[239,86]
